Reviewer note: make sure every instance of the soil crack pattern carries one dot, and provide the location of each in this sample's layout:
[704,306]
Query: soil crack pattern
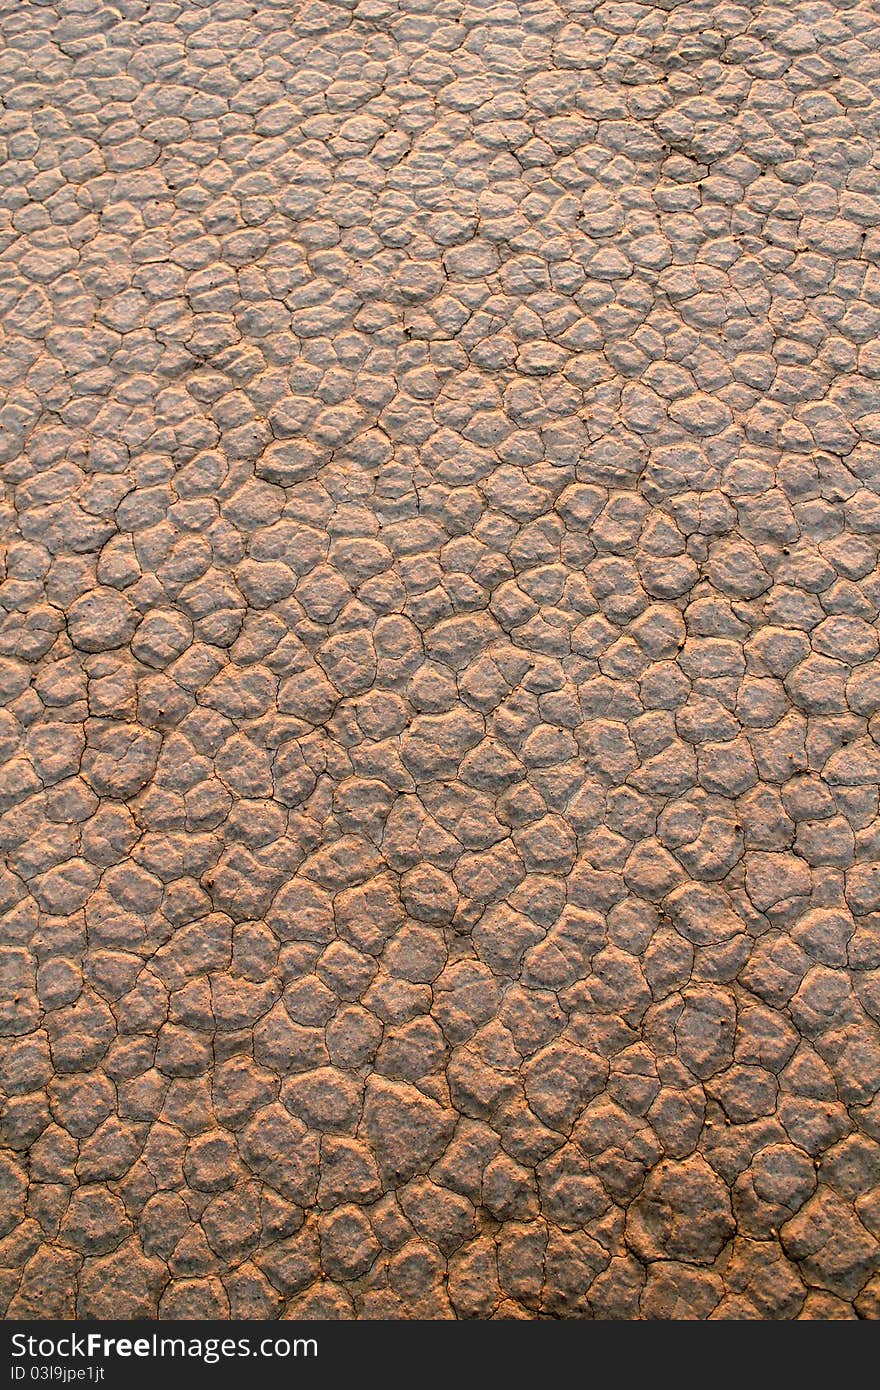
[439,681]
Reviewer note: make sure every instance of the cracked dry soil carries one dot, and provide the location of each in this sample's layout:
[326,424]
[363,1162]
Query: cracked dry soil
[441,456]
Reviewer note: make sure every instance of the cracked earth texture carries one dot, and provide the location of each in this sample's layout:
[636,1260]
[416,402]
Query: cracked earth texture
[441,450]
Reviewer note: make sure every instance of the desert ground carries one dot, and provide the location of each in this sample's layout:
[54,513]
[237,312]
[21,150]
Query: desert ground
[440,449]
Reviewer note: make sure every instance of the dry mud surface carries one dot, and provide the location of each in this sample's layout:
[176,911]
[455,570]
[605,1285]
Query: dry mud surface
[441,446]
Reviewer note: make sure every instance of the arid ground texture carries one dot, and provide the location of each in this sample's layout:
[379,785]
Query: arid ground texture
[439,659]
